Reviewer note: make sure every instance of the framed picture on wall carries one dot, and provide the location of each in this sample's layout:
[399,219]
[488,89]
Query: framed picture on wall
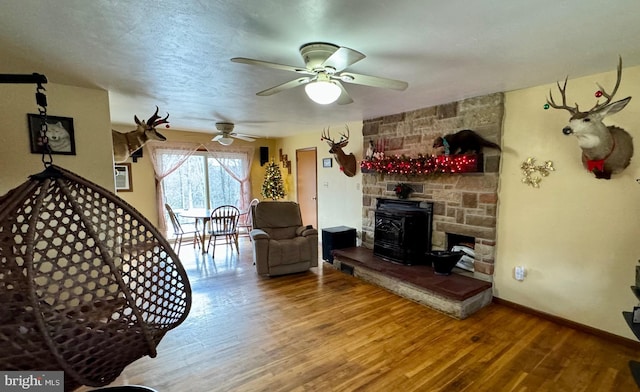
[327,162]
[122,172]
[60,133]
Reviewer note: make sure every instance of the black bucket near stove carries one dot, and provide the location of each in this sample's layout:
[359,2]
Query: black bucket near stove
[443,261]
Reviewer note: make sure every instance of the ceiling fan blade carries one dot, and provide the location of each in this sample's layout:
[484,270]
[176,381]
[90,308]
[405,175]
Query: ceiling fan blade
[268,64]
[240,136]
[344,98]
[285,86]
[342,58]
[373,81]
[217,137]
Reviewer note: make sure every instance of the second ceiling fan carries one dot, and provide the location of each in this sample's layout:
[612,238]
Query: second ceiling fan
[225,134]
[324,69]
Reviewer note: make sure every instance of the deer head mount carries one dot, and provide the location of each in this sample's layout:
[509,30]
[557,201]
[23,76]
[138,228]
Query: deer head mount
[606,150]
[347,162]
[125,144]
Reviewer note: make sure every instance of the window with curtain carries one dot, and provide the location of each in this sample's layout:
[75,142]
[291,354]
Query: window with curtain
[195,175]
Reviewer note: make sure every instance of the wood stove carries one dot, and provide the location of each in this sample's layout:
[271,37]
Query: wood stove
[402,230]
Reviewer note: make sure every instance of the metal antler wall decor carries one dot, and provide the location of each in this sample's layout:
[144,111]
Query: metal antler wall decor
[87,284]
[533,173]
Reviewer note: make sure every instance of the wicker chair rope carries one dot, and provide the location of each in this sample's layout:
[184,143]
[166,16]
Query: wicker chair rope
[87,284]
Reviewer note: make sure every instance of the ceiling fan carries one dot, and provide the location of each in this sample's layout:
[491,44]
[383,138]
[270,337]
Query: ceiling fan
[225,134]
[324,66]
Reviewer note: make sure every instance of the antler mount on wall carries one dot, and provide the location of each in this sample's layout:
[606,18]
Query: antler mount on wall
[125,144]
[347,163]
[606,150]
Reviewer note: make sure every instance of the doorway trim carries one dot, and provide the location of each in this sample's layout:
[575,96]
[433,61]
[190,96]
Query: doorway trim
[307,196]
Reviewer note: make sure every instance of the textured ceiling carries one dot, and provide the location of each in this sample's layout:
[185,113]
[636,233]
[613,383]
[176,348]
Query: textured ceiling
[176,54]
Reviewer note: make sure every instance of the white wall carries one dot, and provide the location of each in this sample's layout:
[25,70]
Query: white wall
[578,236]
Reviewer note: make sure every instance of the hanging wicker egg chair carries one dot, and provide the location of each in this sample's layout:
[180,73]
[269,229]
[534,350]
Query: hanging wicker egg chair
[87,284]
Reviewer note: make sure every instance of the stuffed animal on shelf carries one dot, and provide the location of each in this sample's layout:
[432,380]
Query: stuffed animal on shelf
[462,142]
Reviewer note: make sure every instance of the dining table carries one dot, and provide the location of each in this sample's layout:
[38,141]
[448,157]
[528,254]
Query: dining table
[200,215]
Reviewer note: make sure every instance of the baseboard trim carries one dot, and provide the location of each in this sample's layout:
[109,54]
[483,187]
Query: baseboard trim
[571,324]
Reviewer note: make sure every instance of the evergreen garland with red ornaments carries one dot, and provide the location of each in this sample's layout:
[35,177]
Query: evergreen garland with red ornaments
[422,165]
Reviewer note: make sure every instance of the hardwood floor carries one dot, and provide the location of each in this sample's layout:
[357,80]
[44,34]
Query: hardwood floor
[326,331]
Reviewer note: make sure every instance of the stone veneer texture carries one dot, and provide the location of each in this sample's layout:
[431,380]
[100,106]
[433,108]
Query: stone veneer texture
[463,204]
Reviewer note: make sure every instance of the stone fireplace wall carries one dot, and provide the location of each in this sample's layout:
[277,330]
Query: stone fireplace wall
[464,204]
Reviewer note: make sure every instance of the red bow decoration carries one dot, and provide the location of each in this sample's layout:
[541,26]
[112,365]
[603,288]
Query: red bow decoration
[595,164]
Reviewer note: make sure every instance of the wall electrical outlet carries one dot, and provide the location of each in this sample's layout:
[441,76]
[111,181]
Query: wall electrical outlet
[520,272]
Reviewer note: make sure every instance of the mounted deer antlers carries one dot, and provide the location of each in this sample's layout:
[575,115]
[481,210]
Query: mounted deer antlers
[125,144]
[347,162]
[605,149]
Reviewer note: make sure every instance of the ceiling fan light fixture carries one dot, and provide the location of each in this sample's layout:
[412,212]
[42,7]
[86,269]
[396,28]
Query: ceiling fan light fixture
[225,140]
[323,92]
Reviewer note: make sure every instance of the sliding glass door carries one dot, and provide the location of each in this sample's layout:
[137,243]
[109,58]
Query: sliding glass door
[202,182]
[223,188]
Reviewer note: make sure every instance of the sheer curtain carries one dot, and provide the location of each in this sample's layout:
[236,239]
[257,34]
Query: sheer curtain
[227,158]
[176,153]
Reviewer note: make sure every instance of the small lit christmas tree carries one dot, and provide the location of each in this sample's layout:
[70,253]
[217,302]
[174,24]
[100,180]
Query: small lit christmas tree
[272,187]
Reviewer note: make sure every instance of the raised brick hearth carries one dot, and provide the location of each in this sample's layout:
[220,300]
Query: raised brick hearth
[456,295]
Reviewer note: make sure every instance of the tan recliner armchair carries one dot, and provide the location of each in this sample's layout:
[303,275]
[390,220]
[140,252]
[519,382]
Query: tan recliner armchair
[281,244]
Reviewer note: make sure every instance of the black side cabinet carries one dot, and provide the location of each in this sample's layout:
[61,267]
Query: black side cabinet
[339,237]
[634,366]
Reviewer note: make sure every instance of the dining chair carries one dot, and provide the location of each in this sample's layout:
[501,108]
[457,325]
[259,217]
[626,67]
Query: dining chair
[179,231]
[224,224]
[245,223]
